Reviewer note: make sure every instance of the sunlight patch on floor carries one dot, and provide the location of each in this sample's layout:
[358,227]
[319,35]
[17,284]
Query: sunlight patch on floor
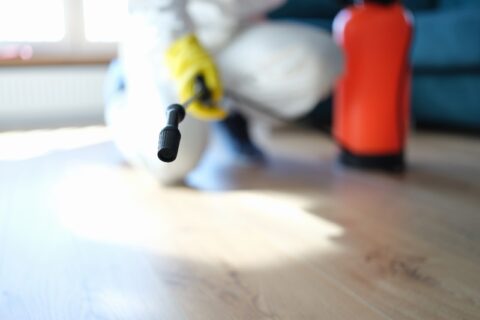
[256,228]
[24,145]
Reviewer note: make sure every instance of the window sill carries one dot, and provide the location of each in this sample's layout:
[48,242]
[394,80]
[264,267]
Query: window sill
[57,61]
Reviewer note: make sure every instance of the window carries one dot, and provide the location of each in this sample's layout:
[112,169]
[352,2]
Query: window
[60,29]
[31,21]
[103,19]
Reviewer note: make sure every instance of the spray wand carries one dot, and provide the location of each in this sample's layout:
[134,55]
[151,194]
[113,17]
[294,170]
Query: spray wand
[170,136]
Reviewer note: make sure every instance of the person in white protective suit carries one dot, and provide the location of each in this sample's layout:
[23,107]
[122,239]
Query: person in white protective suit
[284,67]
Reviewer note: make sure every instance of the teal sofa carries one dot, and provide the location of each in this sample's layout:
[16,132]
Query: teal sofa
[445,58]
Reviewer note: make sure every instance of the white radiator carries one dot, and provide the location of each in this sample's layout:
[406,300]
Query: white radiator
[46,96]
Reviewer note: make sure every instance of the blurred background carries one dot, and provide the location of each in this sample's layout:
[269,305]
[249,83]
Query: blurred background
[54,56]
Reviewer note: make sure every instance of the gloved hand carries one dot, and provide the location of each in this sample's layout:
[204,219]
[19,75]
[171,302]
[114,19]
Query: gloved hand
[187,60]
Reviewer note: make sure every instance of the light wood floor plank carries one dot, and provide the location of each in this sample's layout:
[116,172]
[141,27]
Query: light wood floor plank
[83,236]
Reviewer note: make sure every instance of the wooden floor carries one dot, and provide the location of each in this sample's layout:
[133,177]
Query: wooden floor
[83,236]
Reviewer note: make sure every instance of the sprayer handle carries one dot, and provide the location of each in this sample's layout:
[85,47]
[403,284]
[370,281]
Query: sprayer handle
[169,140]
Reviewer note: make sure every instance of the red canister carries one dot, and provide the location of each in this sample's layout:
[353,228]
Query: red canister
[372,99]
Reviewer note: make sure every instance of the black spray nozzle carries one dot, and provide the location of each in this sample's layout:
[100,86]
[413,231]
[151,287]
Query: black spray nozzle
[170,136]
[169,140]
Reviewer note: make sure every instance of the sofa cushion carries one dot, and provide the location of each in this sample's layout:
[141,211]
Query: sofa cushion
[329,8]
[323,23]
[445,4]
[308,9]
[447,38]
[420,5]
[448,99]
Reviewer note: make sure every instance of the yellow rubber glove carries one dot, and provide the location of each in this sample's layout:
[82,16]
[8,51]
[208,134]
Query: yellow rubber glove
[187,59]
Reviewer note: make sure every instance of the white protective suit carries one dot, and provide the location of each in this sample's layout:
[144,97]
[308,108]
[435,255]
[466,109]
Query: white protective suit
[285,67]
